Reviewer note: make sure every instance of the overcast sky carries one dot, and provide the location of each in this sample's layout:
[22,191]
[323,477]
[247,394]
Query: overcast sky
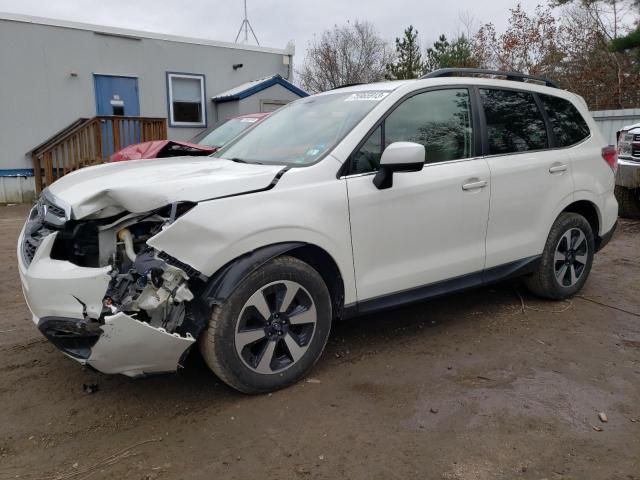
[275,21]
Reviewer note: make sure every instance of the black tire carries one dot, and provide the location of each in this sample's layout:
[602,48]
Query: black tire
[544,282]
[628,202]
[218,341]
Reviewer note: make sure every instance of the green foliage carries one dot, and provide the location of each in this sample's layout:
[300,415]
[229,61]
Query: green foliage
[408,63]
[627,42]
[444,54]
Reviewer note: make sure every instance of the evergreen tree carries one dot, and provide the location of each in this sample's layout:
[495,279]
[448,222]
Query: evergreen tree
[632,40]
[445,54]
[408,63]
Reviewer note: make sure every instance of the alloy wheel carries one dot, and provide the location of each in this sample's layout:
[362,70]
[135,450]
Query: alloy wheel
[275,327]
[570,258]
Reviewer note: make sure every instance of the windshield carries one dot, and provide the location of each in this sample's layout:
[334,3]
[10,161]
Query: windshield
[303,131]
[229,130]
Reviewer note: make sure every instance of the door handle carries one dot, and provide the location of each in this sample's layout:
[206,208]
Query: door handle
[474,184]
[557,168]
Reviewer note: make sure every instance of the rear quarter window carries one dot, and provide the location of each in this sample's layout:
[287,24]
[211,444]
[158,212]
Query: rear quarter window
[567,123]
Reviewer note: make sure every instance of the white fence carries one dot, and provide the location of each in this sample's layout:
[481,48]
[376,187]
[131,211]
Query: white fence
[17,189]
[610,121]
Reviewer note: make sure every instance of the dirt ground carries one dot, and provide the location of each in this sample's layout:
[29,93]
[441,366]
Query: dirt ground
[477,385]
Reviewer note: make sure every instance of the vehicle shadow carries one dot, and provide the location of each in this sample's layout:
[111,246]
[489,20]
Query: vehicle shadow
[350,340]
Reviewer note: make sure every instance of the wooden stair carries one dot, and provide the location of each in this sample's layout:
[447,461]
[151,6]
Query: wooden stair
[90,141]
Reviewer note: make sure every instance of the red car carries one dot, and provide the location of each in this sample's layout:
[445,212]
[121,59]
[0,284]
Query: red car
[205,143]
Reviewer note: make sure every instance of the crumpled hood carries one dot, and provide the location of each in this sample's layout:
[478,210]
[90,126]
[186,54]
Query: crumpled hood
[153,148]
[142,185]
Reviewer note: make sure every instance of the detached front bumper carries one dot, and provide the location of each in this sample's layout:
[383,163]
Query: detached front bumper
[628,174]
[66,302]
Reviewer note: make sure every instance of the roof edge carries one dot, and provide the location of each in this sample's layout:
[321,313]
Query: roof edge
[124,32]
[269,82]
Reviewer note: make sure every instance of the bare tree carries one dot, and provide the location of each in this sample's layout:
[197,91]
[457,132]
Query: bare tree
[572,48]
[467,25]
[346,54]
[604,78]
[530,44]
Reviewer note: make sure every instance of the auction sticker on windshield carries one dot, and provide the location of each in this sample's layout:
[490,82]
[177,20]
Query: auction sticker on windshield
[366,96]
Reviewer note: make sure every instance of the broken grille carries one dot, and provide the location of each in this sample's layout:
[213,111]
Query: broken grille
[43,216]
[34,233]
[54,209]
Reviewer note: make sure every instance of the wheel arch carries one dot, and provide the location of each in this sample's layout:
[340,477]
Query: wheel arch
[588,210]
[223,282]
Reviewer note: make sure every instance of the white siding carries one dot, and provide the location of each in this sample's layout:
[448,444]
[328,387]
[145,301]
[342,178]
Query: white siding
[47,79]
[252,104]
[17,189]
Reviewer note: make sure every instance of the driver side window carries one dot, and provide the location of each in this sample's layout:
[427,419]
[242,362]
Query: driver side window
[440,120]
[367,158]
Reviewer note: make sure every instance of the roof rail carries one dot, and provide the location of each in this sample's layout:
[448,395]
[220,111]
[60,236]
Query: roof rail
[515,76]
[346,85]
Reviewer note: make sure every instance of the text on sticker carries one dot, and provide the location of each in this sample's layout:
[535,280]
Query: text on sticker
[366,96]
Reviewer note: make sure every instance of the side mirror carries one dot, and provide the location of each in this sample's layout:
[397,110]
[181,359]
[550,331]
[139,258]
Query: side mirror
[399,157]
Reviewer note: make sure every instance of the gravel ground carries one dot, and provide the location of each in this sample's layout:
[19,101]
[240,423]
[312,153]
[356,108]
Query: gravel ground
[487,384]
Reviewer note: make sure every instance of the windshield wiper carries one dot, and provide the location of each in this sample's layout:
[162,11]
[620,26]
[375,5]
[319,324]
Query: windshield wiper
[240,160]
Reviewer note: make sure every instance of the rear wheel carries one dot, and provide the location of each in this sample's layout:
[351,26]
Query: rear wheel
[566,260]
[271,330]
[628,202]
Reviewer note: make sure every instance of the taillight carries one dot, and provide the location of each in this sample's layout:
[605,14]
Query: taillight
[610,155]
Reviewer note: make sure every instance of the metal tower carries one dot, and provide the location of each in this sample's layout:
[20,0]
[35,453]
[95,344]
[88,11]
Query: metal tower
[246,26]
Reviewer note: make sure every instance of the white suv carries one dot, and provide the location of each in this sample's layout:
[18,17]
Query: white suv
[343,203]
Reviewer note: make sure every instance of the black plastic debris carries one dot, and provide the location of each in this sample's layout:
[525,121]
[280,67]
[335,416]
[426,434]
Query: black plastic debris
[90,387]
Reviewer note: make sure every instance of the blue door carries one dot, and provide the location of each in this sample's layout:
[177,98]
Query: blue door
[117,96]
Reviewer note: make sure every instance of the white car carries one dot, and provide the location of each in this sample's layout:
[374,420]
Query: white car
[343,203]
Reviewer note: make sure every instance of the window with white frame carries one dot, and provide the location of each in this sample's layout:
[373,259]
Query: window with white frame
[186,100]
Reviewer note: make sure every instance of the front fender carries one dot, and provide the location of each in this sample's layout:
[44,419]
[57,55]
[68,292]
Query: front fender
[217,232]
[225,281]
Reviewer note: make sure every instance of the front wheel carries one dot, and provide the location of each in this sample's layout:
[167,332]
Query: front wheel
[271,330]
[566,260]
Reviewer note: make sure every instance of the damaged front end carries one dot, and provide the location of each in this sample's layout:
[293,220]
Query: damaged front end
[103,296]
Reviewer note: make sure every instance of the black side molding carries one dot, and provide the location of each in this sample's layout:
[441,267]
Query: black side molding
[602,241]
[510,270]
[445,287]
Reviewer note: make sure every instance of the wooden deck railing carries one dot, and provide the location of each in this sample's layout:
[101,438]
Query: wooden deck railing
[90,142]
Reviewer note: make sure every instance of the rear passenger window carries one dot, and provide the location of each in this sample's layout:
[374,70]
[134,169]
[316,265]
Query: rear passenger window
[514,123]
[567,124]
